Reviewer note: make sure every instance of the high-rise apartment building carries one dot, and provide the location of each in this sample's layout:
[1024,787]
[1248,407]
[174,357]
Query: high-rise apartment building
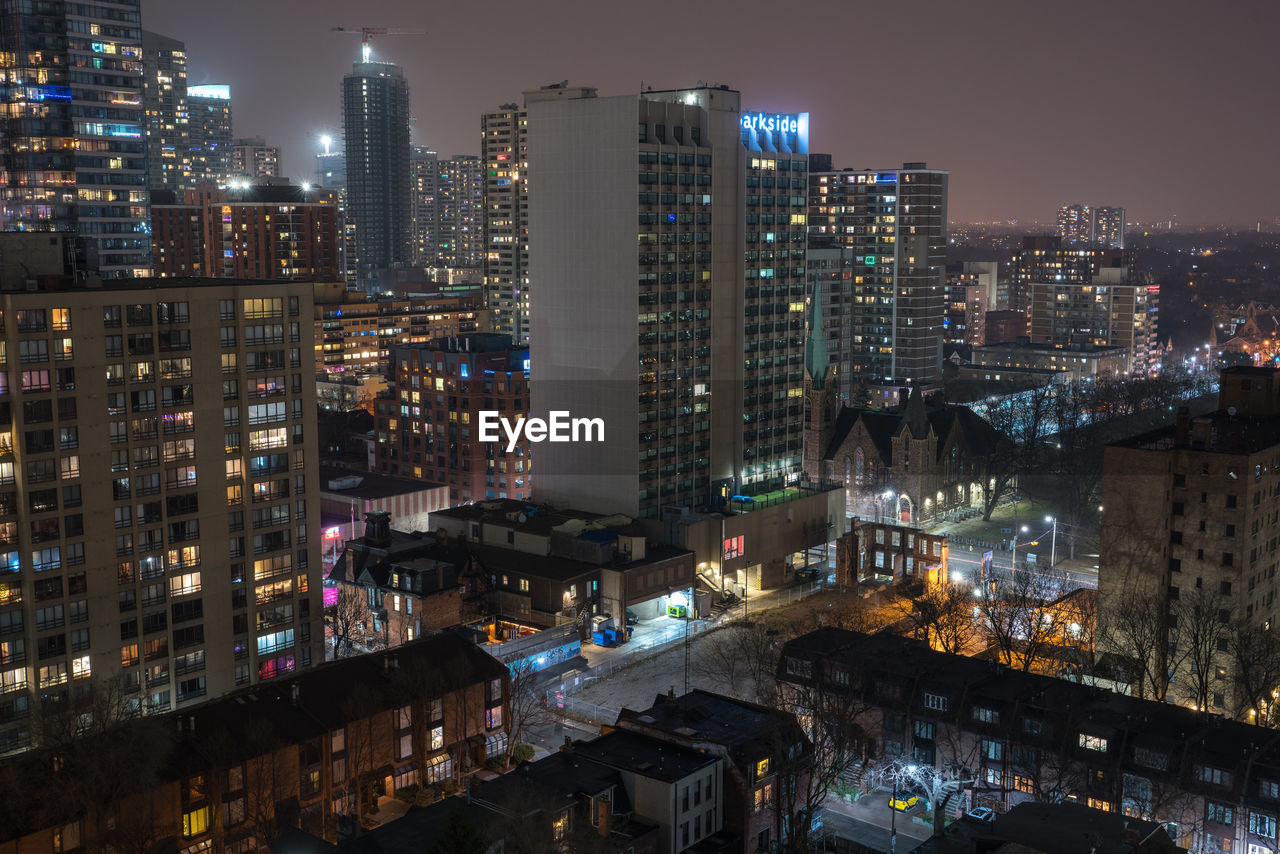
[459,208]
[331,174]
[72,143]
[359,334]
[1108,227]
[1189,523]
[375,112]
[252,159]
[829,279]
[448,210]
[209,133]
[1100,227]
[159,493]
[1075,224]
[422,198]
[688,343]
[268,231]
[430,428]
[504,147]
[894,224]
[1084,298]
[504,139]
[164,65]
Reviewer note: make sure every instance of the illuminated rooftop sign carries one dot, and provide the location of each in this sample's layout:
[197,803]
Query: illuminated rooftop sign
[771,122]
[217,91]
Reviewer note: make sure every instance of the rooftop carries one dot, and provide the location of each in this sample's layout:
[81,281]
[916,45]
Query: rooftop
[748,730]
[371,486]
[648,757]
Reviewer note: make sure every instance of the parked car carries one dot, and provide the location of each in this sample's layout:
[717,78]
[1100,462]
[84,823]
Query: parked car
[903,801]
[982,815]
[632,619]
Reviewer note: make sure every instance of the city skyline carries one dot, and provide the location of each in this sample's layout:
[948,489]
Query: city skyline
[985,96]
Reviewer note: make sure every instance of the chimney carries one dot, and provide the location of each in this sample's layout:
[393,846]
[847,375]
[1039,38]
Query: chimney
[293,693]
[377,528]
[567,747]
[191,724]
[1183,429]
[182,724]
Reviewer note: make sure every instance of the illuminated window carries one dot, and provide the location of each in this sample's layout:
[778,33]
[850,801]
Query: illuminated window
[195,822]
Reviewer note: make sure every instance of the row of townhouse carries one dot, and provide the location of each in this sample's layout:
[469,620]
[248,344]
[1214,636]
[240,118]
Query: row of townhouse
[1008,737]
[315,752]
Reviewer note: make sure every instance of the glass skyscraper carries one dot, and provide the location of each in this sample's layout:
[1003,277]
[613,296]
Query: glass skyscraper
[72,146]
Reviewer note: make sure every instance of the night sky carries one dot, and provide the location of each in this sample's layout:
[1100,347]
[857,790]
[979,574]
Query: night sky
[1161,107]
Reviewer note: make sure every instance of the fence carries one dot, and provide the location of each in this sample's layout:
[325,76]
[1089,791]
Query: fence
[559,695]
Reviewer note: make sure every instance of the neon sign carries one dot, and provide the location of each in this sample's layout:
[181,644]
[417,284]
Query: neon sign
[778,122]
[333,533]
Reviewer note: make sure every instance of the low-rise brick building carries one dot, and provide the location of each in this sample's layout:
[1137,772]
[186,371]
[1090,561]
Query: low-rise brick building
[314,752]
[999,737]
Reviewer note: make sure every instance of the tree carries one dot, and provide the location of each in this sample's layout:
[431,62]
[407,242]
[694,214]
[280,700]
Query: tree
[1203,633]
[1018,615]
[943,613]
[526,707]
[1255,663]
[835,718]
[749,650]
[1134,625]
[460,836]
[345,615]
[83,737]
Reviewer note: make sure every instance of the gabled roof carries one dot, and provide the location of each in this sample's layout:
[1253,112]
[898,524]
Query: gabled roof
[919,418]
[432,564]
[747,730]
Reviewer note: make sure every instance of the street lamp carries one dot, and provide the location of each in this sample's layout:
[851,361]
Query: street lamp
[1013,560]
[1053,549]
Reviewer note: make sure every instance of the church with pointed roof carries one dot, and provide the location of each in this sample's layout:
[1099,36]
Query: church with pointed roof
[912,463]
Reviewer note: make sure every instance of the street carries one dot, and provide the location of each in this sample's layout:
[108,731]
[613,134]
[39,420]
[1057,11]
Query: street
[868,821]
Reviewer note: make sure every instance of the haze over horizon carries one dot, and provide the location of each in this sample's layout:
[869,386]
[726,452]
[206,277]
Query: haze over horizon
[1155,107]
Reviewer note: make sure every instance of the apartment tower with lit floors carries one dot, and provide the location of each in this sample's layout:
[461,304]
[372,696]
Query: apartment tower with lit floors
[669,300]
[158,493]
[892,226]
[72,136]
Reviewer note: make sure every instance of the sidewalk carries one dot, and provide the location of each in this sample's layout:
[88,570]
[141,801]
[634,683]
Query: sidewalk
[873,809]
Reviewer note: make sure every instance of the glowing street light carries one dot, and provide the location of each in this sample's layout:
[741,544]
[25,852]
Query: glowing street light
[1053,549]
[1013,559]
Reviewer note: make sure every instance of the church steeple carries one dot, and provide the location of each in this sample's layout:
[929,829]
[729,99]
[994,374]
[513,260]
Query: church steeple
[816,359]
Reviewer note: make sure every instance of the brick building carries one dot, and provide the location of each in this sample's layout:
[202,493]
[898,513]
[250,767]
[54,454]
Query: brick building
[409,582]
[314,752]
[430,428]
[910,463]
[899,552]
[1191,516]
[999,737]
[268,231]
[762,749]
[541,565]
[357,332]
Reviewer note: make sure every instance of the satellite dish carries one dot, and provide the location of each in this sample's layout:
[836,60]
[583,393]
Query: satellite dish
[523,518]
[1231,410]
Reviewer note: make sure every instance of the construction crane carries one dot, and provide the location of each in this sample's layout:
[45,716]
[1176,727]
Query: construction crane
[367,33]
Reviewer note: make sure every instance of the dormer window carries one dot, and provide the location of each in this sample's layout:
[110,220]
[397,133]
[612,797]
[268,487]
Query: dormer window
[762,768]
